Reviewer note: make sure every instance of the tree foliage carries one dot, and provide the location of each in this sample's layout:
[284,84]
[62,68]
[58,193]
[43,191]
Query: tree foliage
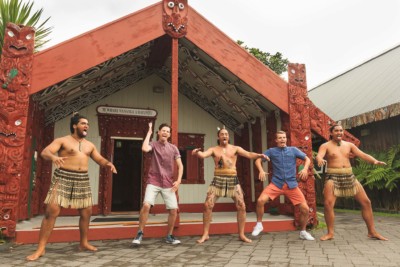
[22,14]
[275,62]
[378,176]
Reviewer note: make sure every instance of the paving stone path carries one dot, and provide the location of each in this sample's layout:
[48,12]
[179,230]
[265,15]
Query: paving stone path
[351,247]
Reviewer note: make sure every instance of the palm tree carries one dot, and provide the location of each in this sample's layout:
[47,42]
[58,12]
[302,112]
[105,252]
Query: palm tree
[16,12]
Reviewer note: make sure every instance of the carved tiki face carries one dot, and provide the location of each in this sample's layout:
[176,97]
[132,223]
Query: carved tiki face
[175,17]
[18,41]
[297,75]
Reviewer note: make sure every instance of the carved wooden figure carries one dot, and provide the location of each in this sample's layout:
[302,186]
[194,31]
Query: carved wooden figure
[15,76]
[300,132]
[175,18]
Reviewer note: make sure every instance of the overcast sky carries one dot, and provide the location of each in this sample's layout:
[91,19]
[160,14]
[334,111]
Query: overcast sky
[329,37]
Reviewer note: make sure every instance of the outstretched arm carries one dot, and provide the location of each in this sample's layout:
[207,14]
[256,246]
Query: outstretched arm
[249,155]
[364,156]
[201,154]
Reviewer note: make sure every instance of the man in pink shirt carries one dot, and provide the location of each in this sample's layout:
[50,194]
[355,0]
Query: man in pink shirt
[161,179]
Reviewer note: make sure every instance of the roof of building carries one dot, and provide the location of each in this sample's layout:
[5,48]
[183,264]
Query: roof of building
[214,71]
[366,93]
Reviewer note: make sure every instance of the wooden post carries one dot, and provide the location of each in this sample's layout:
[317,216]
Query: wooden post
[174,102]
[15,159]
[174,92]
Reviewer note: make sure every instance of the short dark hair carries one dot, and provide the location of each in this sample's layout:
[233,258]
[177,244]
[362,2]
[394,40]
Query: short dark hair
[162,125]
[333,127]
[75,120]
[219,132]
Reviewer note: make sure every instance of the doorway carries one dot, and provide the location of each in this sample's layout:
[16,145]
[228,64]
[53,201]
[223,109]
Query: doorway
[127,183]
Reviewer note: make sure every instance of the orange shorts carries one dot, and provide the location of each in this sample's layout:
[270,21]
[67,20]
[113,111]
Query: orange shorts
[295,195]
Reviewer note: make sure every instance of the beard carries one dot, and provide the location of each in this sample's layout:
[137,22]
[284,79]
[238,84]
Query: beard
[81,133]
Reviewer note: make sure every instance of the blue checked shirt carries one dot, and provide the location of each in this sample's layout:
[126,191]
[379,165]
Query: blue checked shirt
[283,161]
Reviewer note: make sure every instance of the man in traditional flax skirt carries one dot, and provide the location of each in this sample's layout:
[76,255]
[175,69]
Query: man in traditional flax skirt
[340,181]
[225,182]
[284,182]
[70,185]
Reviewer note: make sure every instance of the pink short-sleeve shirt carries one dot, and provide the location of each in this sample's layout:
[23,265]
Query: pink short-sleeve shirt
[162,166]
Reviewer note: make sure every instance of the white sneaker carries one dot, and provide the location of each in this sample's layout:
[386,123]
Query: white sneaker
[306,236]
[257,230]
[172,240]
[138,238]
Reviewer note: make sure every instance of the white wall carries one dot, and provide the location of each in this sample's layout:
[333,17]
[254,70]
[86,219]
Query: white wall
[192,119]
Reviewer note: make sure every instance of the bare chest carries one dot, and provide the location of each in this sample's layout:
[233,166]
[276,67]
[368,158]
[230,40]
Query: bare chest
[75,149]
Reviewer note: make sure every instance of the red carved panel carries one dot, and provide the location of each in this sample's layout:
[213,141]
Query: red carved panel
[300,132]
[175,18]
[15,77]
[45,168]
[320,124]
[243,165]
[194,165]
[25,183]
[174,92]
[319,121]
[285,126]
[271,130]
[257,148]
[122,126]
[38,132]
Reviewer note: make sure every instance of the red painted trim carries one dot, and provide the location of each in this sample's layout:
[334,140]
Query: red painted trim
[243,166]
[257,148]
[174,91]
[96,46]
[233,57]
[194,208]
[128,232]
[174,100]
[110,40]
[160,208]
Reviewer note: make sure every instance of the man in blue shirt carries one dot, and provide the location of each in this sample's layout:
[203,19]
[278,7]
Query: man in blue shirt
[284,182]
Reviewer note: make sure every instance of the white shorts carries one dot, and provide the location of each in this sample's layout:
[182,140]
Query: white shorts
[167,194]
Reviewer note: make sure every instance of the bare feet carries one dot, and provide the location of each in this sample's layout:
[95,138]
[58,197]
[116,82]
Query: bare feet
[203,239]
[35,255]
[245,239]
[84,247]
[377,236]
[327,237]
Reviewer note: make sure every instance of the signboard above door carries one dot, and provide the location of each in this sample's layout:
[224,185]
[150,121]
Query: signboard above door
[124,111]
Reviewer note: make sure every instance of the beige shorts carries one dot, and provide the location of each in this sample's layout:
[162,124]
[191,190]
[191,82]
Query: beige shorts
[167,194]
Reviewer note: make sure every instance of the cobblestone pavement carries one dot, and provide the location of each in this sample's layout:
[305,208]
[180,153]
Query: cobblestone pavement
[351,247]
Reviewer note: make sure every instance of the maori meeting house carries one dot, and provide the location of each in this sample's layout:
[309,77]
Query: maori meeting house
[158,64]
